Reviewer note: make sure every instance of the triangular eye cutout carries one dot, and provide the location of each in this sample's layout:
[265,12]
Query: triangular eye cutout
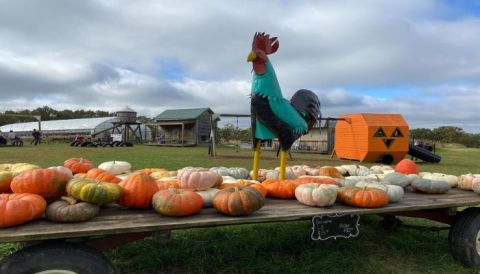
[397,133]
[388,142]
[380,133]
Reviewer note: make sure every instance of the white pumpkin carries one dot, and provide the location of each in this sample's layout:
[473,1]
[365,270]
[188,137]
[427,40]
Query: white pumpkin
[238,172]
[342,170]
[398,179]
[228,179]
[311,171]
[274,174]
[207,196]
[476,185]
[465,181]
[314,194]
[395,193]
[363,184]
[164,179]
[116,167]
[64,170]
[430,186]
[376,177]
[223,171]
[125,175]
[381,167]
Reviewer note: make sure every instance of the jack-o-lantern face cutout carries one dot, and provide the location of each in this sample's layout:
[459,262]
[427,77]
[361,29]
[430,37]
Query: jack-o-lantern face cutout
[380,133]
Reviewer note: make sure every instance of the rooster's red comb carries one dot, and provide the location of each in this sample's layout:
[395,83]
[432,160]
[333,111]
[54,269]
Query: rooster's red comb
[263,42]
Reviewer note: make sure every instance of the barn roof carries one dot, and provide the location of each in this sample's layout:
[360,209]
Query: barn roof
[182,114]
[59,125]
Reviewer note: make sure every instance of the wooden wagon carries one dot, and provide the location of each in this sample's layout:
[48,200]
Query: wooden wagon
[76,248]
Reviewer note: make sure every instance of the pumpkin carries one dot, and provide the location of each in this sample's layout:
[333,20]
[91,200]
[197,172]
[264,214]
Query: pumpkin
[151,170]
[5,167]
[315,179]
[67,210]
[342,170]
[311,171]
[398,179]
[207,196]
[262,174]
[236,201]
[93,191]
[465,181]
[45,182]
[19,208]
[476,185]
[430,187]
[137,190]
[277,188]
[228,179]
[78,165]
[395,193]
[163,174]
[19,168]
[362,184]
[235,172]
[63,169]
[250,183]
[450,179]
[275,174]
[381,167]
[297,171]
[362,197]
[198,179]
[177,202]
[314,194]
[167,184]
[5,180]
[116,167]
[406,166]
[102,175]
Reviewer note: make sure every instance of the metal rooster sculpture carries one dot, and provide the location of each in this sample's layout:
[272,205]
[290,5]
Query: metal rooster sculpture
[272,115]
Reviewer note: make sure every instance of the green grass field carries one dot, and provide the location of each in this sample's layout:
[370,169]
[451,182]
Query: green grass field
[283,247]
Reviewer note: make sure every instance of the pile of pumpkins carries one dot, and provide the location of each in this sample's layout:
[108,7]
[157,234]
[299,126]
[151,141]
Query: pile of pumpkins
[77,190]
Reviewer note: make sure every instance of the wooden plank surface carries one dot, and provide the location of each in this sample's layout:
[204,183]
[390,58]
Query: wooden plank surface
[115,220]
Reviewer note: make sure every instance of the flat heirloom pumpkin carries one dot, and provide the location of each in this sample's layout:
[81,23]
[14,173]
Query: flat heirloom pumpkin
[237,201]
[102,175]
[177,202]
[17,209]
[45,182]
[198,179]
[314,194]
[116,167]
[137,190]
[430,187]
[363,197]
[78,165]
[67,210]
[93,191]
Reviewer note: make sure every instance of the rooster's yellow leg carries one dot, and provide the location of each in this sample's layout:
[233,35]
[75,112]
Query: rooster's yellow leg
[256,159]
[283,163]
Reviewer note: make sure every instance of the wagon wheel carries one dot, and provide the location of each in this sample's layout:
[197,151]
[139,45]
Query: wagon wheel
[57,257]
[464,237]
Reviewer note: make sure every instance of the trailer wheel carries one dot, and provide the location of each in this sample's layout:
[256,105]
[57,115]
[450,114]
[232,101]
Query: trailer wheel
[57,257]
[73,143]
[464,237]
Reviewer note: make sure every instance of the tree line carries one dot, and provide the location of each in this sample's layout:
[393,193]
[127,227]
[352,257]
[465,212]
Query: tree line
[47,113]
[447,134]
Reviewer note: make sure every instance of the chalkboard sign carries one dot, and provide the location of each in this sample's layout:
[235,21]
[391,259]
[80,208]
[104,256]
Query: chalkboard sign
[336,225]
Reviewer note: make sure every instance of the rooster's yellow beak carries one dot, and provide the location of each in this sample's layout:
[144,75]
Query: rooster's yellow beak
[251,56]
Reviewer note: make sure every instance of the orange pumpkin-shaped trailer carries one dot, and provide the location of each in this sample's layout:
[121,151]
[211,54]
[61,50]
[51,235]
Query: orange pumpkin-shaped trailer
[372,137]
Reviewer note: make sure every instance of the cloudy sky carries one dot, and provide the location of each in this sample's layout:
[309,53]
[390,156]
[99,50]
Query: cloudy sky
[418,58]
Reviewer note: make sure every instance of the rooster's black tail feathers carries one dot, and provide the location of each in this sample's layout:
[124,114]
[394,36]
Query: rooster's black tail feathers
[306,102]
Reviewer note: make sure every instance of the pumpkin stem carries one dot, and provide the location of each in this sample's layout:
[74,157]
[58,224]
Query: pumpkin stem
[68,199]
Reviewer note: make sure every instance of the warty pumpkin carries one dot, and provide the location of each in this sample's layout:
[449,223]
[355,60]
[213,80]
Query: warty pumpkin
[20,208]
[177,202]
[236,201]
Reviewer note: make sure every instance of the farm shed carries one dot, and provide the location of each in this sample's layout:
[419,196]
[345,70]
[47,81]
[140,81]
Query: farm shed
[372,137]
[184,127]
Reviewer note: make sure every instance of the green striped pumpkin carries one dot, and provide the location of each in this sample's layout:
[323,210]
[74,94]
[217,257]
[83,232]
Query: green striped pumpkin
[93,191]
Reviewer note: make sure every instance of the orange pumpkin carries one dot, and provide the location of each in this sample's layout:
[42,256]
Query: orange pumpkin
[312,179]
[329,171]
[167,184]
[278,188]
[362,197]
[406,166]
[78,165]
[237,201]
[45,182]
[241,183]
[152,170]
[17,209]
[137,190]
[102,175]
[177,202]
